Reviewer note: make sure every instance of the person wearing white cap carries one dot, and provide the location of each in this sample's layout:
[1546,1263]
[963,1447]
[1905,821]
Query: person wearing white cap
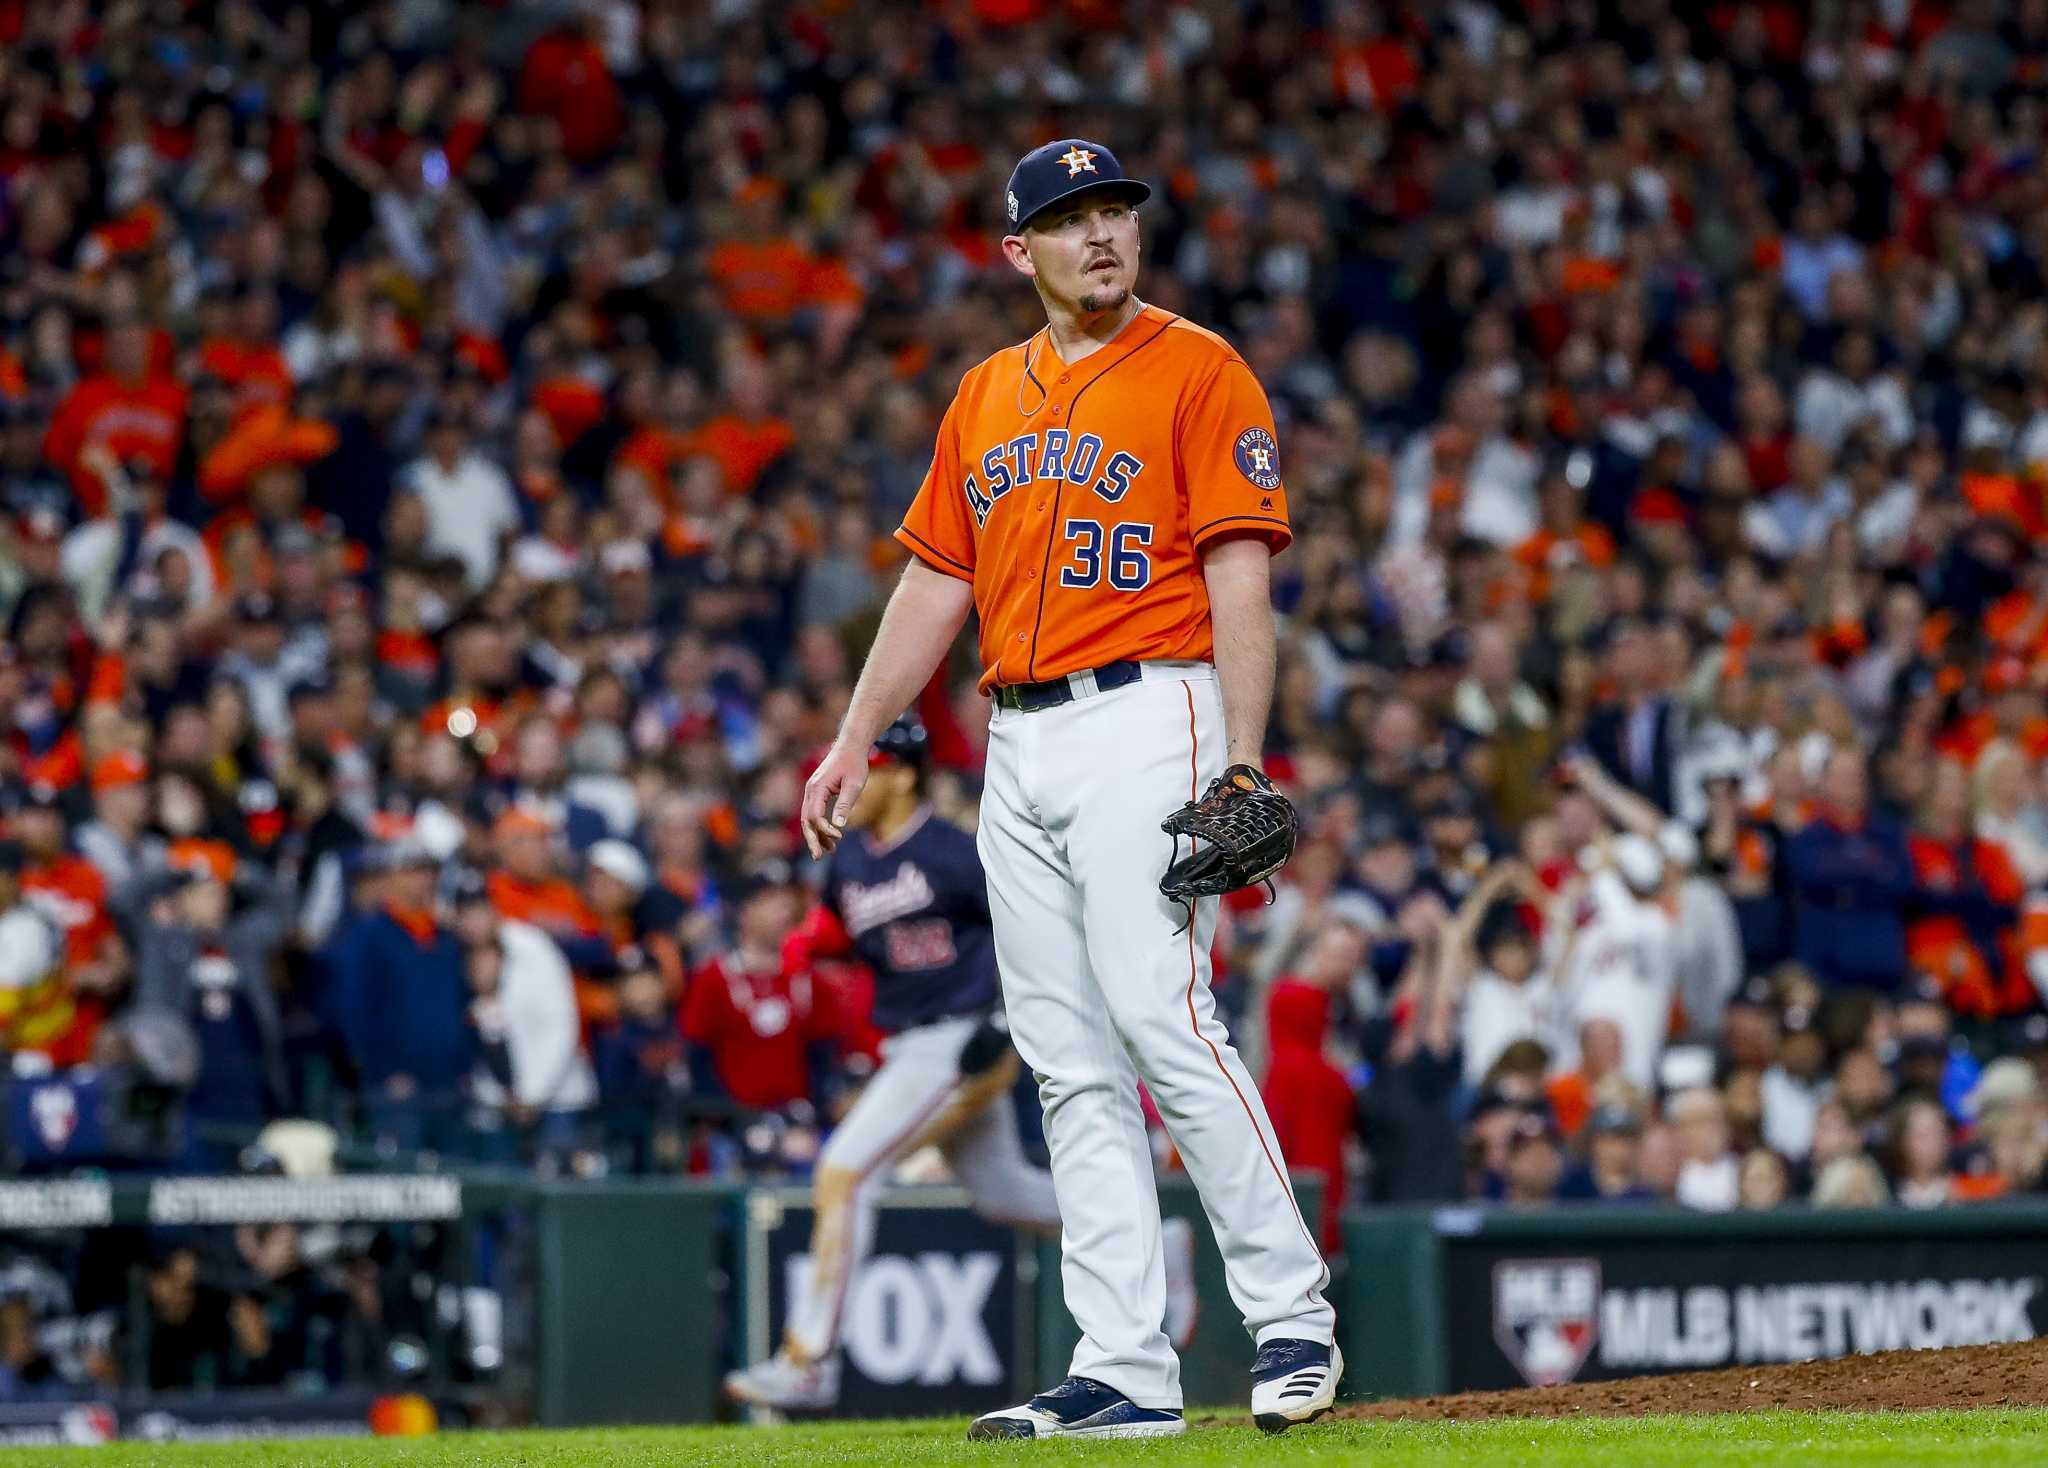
[1613,958]
[622,862]
[638,922]
[1706,940]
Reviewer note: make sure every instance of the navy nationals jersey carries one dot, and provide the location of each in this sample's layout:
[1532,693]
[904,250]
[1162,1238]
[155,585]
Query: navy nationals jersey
[916,910]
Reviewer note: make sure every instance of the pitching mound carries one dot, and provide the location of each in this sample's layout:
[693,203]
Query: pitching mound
[1966,1376]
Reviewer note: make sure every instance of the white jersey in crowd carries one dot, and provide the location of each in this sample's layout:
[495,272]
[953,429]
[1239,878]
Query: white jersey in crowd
[1499,1012]
[470,505]
[1619,967]
[534,1011]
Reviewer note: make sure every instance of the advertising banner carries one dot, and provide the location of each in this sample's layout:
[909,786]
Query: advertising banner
[930,1320]
[1533,1313]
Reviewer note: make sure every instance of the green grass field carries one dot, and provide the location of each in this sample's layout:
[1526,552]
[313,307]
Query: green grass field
[1982,1439]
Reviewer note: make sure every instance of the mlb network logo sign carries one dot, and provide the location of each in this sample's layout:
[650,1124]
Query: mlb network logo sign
[1552,1316]
[1546,1316]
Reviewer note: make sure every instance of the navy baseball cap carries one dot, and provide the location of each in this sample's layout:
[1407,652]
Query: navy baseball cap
[904,741]
[1059,170]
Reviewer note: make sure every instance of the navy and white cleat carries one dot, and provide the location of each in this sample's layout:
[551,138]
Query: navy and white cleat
[1078,1407]
[1294,1381]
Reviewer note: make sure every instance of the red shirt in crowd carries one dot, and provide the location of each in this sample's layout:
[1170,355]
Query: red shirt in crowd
[1308,1098]
[565,77]
[758,1026]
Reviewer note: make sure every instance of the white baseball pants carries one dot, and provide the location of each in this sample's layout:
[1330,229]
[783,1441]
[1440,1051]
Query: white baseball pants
[1105,982]
[916,1097]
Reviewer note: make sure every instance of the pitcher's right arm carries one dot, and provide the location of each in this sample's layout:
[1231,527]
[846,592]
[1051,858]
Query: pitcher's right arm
[924,615]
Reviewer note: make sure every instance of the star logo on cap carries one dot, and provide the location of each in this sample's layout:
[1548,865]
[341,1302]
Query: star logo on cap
[1078,161]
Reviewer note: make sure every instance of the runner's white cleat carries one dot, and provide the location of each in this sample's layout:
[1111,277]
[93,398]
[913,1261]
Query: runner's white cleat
[785,1384]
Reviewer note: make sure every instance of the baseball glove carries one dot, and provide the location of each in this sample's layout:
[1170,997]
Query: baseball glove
[1242,829]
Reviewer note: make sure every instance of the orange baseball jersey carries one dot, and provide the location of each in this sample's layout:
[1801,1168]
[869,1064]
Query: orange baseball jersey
[1077,499]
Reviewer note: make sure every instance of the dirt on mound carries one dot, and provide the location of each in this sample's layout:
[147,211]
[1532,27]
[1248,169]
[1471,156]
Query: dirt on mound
[1965,1376]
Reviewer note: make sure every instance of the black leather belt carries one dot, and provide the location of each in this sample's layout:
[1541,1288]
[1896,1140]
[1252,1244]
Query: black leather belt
[1029,698]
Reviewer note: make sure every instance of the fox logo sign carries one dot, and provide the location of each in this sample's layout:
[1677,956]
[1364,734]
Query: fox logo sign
[1546,1316]
[917,1318]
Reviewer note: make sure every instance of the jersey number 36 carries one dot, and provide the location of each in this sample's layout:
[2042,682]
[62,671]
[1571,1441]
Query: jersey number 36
[1130,569]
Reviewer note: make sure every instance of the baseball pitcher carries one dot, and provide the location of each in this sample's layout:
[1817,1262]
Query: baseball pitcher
[1107,496]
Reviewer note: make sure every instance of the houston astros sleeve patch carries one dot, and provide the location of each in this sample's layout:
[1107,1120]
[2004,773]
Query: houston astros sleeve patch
[1258,457]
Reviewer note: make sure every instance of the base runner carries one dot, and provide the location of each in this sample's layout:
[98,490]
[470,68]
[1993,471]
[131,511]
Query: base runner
[906,896]
[1107,496]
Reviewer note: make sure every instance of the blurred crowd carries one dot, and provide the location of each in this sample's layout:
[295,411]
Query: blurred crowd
[448,453]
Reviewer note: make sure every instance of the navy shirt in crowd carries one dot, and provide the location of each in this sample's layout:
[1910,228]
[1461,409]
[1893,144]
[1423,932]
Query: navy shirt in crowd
[403,1004]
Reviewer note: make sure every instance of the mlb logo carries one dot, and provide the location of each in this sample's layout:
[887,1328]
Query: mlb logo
[1546,1316]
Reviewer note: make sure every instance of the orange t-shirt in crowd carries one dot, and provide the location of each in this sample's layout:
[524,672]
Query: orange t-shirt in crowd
[128,235]
[74,894]
[258,372]
[1379,73]
[760,280]
[1547,552]
[146,421]
[572,405]
[767,281]
[653,451]
[1941,944]
[2010,623]
[1965,739]
[1077,500]
[743,447]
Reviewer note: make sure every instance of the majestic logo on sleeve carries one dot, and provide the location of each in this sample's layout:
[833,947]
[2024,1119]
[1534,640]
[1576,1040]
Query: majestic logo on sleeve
[1078,161]
[1258,458]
